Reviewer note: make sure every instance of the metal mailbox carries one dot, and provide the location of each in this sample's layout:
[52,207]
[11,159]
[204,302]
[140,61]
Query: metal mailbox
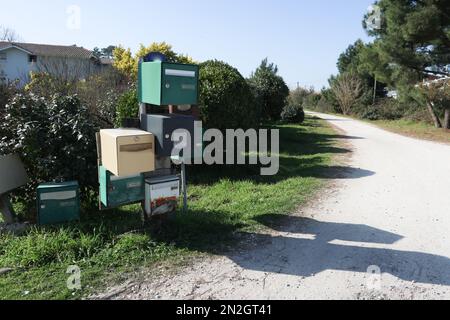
[126,152]
[117,191]
[163,126]
[58,202]
[164,83]
[161,195]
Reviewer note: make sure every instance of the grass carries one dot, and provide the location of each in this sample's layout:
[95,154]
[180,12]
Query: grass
[415,129]
[223,201]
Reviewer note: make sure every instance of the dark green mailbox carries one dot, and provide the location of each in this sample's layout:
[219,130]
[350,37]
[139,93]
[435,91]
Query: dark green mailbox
[58,202]
[119,191]
[165,83]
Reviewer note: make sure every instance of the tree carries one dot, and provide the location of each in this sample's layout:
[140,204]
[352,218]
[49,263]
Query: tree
[439,93]
[124,62]
[128,64]
[7,34]
[269,89]
[347,88]
[411,43]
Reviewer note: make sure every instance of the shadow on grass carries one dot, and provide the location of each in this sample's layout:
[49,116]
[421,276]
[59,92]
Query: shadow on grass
[302,154]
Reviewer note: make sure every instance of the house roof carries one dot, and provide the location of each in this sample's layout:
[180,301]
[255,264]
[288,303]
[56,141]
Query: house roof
[49,50]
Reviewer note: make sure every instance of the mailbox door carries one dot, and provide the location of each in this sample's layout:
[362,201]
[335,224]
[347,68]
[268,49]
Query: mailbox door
[58,206]
[136,154]
[179,85]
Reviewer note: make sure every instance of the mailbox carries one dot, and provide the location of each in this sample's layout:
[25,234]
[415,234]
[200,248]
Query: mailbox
[164,83]
[58,202]
[161,195]
[118,191]
[127,152]
[162,127]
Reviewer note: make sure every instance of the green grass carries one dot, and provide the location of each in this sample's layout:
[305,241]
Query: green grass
[415,129]
[223,201]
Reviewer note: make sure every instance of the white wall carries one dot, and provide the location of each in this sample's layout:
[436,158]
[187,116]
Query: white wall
[16,66]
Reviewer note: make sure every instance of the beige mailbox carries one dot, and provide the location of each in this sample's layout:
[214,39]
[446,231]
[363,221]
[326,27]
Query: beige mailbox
[127,152]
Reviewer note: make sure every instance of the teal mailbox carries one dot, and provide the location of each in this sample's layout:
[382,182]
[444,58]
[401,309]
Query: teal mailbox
[58,202]
[118,191]
[165,83]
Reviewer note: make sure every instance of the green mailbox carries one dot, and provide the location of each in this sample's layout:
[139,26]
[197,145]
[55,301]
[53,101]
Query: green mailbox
[165,83]
[119,191]
[58,202]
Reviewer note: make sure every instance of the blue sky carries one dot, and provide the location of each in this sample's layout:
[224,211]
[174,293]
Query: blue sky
[303,37]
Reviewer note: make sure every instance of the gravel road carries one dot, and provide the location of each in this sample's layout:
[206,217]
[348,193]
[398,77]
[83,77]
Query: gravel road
[383,232]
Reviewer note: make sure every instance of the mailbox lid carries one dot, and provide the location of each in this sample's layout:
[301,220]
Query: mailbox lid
[180,84]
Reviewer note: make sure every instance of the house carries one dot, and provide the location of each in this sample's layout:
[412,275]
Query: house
[17,60]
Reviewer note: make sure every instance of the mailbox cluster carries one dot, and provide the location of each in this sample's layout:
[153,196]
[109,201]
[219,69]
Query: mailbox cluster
[135,165]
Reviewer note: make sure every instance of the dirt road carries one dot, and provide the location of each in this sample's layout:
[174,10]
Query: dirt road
[390,214]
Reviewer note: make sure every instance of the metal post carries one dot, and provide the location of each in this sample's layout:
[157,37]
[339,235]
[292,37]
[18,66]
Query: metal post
[6,208]
[184,186]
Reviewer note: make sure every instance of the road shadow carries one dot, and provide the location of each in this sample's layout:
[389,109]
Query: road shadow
[310,248]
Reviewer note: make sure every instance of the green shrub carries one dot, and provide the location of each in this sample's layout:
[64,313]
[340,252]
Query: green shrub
[298,96]
[7,91]
[325,106]
[46,85]
[100,93]
[293,114]
[270,90]
[226,101]
[55,139]
[384,109]
[127,106]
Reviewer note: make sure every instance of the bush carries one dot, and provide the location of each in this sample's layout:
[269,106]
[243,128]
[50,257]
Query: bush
[226,101]
[55,139]
[293,114]
[270,90]
[127,106]
[46,85]
[325,106]
[100,94]
[298,96]
[384,109]
[7,90]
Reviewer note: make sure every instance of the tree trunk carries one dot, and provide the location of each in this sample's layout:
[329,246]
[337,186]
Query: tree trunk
[447,119]
[436,120]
